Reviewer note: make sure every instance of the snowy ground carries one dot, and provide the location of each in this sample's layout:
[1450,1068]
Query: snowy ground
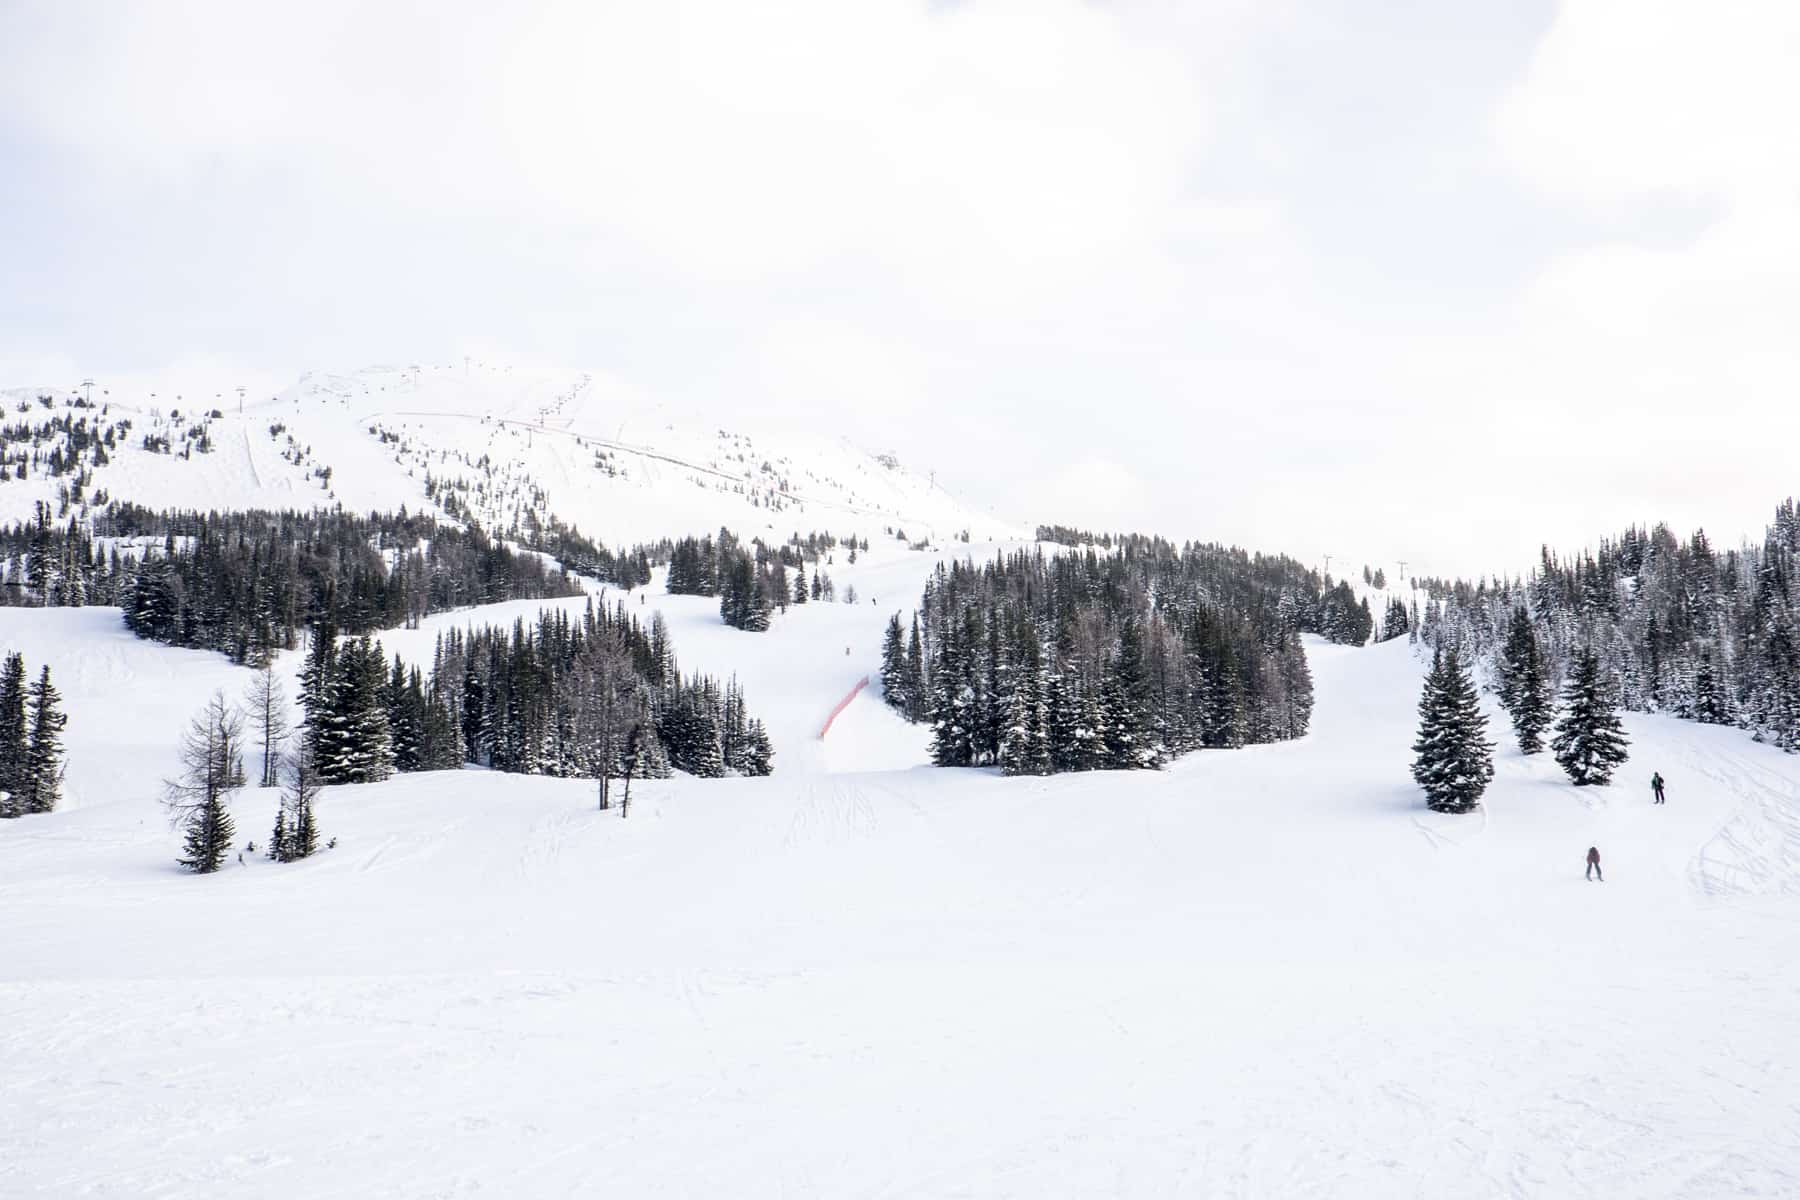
[1264,973]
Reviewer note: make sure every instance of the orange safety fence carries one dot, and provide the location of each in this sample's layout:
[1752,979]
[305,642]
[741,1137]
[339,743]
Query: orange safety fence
[842,705]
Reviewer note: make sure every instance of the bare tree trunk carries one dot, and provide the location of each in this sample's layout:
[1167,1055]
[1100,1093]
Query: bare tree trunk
[267,704]
[631,760]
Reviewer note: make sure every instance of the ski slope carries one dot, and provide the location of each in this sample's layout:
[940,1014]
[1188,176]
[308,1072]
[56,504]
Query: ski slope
[1267,972]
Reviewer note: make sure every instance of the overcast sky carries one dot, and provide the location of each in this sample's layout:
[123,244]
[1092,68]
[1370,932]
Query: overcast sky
[1434,281]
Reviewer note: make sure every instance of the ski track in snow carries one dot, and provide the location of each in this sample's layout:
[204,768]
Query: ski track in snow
[1258,973]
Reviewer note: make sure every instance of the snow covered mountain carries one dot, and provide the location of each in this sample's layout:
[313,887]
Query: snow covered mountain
[504,445]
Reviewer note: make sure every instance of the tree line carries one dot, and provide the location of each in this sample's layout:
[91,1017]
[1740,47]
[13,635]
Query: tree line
[248,583]
[590,696]
[1086,659]
[753,581]
[594,696]
[1454,760]
[1678,625]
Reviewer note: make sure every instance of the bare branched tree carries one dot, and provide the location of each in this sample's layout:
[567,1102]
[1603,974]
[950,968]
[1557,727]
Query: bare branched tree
[267,704]
[211,767]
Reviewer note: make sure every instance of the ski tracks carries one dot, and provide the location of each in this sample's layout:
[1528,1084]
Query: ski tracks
[1757,851]
[832,810]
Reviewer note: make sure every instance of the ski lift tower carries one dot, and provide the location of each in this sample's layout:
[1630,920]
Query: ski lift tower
[240,392]
[87,388]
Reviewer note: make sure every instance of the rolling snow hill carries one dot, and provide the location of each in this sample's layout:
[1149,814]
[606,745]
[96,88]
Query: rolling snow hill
[1264,972]
[508,444]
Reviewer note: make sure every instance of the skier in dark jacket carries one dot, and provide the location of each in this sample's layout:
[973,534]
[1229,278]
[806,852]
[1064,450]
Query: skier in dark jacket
[1594,864]
[1656,786]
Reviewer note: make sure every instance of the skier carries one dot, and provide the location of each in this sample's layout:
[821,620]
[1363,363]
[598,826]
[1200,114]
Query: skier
[1594,864]
[1656,786]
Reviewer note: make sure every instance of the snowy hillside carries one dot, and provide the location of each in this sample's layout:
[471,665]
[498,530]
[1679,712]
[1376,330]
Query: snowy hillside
[508,444]
[1264,972]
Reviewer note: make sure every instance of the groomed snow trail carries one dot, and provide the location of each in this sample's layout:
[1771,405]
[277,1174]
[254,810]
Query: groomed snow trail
[1263,973]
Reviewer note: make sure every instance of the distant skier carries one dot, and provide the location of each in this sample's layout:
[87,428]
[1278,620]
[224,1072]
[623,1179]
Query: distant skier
[1593,870]
[1656,786]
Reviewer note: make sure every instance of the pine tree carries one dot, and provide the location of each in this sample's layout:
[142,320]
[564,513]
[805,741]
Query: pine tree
[196,797]
[1025,749]
[1532,708]
[1224,724]
[1521,644]
[354,742]
[43,756]
[915,675]
[318,681]
[1394,624]
[296,830]
[1590,743]
[1711,706]
[1454,760]
[893,665]
[1124,704]
[15,737]
[759,757]
[953,714]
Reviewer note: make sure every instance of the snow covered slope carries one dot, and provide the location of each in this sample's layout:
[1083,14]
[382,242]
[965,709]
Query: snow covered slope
[1266,972]
[504,441]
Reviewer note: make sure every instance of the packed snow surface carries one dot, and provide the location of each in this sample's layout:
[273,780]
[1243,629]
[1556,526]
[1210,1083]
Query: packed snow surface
[1260,973]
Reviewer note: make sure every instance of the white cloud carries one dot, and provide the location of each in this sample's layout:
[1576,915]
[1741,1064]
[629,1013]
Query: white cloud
[1625,98]
[1286,275]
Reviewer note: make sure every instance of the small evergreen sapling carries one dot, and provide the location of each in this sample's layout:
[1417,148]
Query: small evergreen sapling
[296,833]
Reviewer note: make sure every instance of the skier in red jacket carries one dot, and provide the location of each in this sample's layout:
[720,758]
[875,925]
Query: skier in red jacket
[1594,864]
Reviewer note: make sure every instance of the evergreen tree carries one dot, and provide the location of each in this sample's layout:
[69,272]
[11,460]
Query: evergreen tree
[1124,704]
[1590,743]
[759,757]
[318,682]
[1454,760]
[915,675]
[43,757]
[355,742]
[1025,749]
[1515,655]
[1711,704]
[1532,707]
[953,700]
[196,797]
[1394,624]
[296,829]
[893,665]
[15,737]
[689,729]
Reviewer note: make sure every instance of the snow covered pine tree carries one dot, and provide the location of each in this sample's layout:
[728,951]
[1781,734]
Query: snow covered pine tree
[1455,761]
[1589,742]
